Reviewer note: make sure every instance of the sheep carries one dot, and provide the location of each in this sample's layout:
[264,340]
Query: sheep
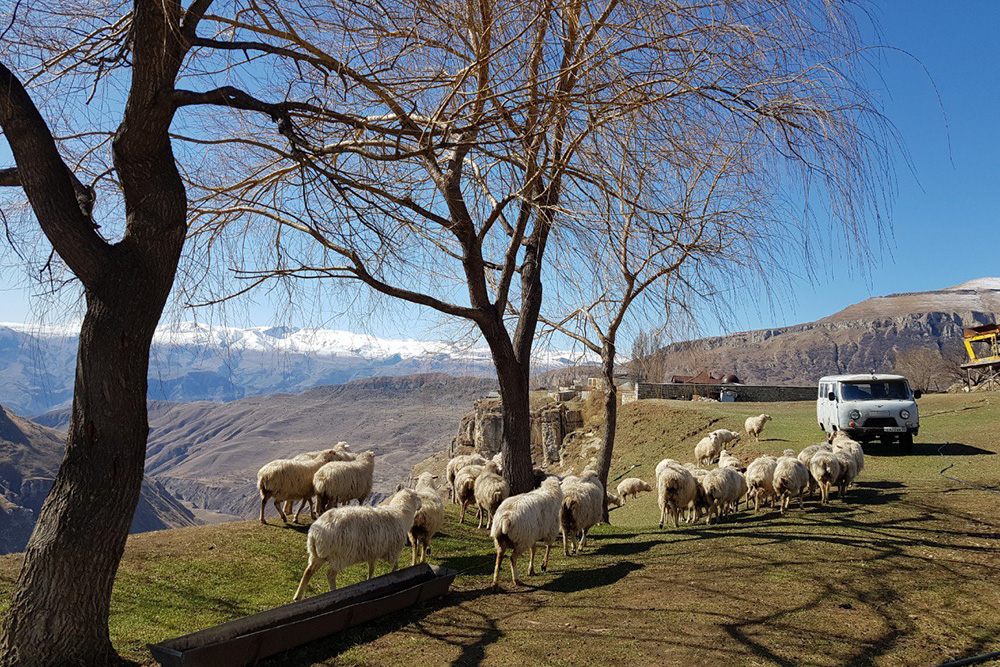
[521,522]
[498,459]
[632,486]
[489,489]
[848,471]
[343,454]
[465,487]
[825,469]
[428,519]
[701,499]
[726,460]
[843,442]
[676,490]
[788,452]
[755,426]
[726,437]
[343,481]
[288,479]
[349,535]
[791,479]
[613,499]
[807,453]
[723,488]
[582,508]
[760,479]
[708,448]
[456,464]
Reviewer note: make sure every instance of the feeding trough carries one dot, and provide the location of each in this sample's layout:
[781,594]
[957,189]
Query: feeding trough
[252,638]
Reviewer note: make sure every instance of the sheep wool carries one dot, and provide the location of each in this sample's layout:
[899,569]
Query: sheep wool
[429,518]
[825,469]
[791,480]
[348,535]
[582,509]
[456,464]
[343,481]
[489,489]
[289,479]
[676,490]
[760,480]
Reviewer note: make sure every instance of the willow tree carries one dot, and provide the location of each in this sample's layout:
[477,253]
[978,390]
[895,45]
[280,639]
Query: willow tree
[460,138]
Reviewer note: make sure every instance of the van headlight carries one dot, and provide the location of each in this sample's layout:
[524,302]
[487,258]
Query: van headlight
[905,414]
[854,414]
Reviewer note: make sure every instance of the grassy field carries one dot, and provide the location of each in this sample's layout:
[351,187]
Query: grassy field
[905,572]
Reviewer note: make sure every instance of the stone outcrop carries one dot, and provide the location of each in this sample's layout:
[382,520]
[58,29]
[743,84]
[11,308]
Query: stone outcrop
[481,430]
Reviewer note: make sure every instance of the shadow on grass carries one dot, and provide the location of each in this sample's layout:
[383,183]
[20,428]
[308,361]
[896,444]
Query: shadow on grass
[926,449]
[571,581]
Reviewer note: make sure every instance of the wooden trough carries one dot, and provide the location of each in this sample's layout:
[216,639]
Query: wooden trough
[252,638]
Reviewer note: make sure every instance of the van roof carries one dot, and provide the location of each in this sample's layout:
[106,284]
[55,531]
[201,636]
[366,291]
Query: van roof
[867,377]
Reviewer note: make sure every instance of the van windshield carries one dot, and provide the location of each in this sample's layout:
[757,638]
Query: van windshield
[874,391]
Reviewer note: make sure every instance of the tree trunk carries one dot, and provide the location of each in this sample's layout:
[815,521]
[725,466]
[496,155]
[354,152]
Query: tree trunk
[515,441]
[610,416]
[59,612]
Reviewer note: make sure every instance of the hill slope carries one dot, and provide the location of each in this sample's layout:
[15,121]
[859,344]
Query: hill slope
[29,459]
[857,339]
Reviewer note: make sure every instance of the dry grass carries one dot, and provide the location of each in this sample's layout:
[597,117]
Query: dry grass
[902,573]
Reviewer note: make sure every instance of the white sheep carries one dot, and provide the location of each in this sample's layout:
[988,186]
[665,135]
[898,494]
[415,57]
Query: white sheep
[498,459]
[760,480]
[727,460]
[806,456]
[755,426]
[521,522]
[489,489]
[663,464]
[456,464]
[726,437]
[708,448]
[843,442]
[788,452]
[343,454]
[429,518]
[288,479]
[582,509]
[614,499]
[848,471]
[723,489]
[676,491]
[825,469]
[791,479]
[349,535]
[701,499]
[465,487]
[343,481]
[632,486]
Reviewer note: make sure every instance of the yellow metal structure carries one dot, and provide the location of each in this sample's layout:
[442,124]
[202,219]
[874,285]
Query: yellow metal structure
[987,348]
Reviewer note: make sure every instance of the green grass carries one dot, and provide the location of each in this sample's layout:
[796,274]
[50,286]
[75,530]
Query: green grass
[902,573]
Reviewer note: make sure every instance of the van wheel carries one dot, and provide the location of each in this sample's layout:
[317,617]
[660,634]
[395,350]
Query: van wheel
[906,442]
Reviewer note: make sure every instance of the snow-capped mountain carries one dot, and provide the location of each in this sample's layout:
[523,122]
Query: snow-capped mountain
[191,361]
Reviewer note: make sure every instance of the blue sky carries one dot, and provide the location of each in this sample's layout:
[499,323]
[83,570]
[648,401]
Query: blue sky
[944,218]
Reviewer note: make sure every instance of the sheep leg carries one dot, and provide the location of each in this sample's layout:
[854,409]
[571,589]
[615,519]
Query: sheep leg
[513,568]
[496,568]
[301,507]
[395,563]
[545,560]
[416,548]
[263,506]
[314,564]
[531,561]
[461,518]
[280,512]
[677,517]
[289,506]
[565,544]
[331,578]
[583,541]
[371,569]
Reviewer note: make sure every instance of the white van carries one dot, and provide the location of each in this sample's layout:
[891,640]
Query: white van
[868,407]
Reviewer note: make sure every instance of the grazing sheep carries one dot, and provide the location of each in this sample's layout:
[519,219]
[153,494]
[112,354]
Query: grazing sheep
[465,487]
[343,481]
[723,489]
[726,460]
[582,508]
[676,491]
[456,464]
[614,499]
[848,471]
[343,454]
[521,522]
[791,479]
[708,448]
[726,437]
[760,480]
[489,490]
[288,479]
[755,426]
[428,519]
[349,535]
[825,469]
[843,442]
[632,486]
[806,456]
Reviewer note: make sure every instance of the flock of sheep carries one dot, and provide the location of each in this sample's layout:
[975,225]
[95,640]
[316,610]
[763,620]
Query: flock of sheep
[568,506]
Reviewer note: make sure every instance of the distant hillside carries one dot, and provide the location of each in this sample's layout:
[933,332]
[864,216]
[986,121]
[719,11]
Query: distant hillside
[191,362]
[209,453]
[29,459]
[865,336]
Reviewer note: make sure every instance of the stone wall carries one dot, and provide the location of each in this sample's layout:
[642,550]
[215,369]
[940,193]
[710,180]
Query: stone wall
[744,392]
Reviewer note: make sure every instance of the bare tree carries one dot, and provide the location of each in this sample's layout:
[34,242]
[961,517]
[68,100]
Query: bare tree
[463,157]
[930,369]
[645,362]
